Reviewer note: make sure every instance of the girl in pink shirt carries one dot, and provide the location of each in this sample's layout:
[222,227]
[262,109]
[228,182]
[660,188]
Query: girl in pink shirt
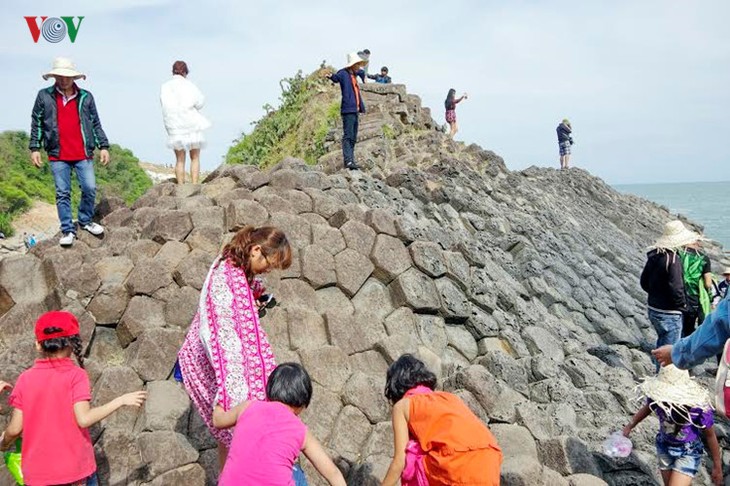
[52,408]
[268,436]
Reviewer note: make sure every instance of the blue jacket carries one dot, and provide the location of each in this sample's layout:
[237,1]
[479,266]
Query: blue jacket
[379,78]
[564,132]
[349,103]
[708,340]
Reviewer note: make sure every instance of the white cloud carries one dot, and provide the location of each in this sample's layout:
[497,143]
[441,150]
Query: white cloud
[645,83]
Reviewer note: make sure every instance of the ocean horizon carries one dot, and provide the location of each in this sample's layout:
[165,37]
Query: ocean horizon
[705,203]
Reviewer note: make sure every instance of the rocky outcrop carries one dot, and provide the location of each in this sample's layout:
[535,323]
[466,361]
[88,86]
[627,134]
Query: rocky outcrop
[519,289]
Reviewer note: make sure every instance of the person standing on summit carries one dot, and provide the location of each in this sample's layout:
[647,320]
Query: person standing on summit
[450,105]
[352,105]
[66,124]
[565,140]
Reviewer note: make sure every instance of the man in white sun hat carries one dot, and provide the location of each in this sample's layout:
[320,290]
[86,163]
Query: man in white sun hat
[66,124]
[352,105]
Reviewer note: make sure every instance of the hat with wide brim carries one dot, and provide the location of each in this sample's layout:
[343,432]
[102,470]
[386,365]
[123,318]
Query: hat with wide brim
[726,271]
[676,235]
[64,67]
[673,388]
[353,58]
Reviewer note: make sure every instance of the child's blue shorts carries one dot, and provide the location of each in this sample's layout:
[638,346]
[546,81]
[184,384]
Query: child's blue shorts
[683,458]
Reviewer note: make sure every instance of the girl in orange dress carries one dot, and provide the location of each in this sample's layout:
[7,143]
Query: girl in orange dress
[448,444]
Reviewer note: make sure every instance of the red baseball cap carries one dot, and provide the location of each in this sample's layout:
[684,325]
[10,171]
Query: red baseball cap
[65,321]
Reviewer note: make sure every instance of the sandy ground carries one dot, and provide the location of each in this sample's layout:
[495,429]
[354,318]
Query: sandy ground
[41,220]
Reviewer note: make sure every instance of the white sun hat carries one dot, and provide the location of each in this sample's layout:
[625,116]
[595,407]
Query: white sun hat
[353,58]
[726,271]
[674,391]
[676,235]
[64,67]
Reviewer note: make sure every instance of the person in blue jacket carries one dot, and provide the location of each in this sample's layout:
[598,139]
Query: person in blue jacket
[565,140]
[707,340]
[381,78]
[352,105]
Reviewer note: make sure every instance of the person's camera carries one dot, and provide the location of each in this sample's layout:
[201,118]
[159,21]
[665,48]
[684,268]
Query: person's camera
[266,301]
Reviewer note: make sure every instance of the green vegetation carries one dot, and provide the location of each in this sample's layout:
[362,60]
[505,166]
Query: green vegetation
[298,127]
[22,183]
[388,131]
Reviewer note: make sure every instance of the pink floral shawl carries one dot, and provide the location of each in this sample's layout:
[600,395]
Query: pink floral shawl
[226,357]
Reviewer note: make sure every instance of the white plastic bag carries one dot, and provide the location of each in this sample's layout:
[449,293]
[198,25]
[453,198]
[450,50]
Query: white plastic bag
[616,445]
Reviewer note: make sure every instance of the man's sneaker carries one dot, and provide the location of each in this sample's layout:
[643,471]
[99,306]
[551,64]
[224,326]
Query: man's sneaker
[352,166]
[67,239]
[94,229]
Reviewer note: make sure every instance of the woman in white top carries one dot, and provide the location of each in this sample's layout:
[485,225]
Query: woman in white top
[181,103]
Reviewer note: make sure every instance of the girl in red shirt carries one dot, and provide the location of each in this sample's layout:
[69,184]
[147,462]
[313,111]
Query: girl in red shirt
[52,410]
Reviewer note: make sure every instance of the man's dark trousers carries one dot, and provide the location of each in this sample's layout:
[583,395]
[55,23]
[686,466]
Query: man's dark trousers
[349,137]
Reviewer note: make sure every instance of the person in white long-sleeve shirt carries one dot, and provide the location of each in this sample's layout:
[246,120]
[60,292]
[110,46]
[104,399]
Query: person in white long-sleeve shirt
[181,103]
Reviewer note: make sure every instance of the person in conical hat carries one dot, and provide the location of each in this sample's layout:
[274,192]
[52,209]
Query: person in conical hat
[685,413]
[663,280]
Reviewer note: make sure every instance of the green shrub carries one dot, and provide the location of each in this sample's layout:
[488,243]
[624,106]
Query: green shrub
[22,182]
[298,127]
[5,225]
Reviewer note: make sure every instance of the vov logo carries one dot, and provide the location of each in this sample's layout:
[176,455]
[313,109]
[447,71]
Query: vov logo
[53,29]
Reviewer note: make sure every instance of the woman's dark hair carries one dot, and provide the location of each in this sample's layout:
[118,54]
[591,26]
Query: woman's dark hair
[179,67]
[274,246]
[407,372]
[290,384]
[52,346]
[449,103]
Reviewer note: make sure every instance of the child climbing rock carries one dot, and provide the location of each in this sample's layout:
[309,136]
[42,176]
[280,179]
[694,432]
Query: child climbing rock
[685,414]
[52,409]
[269,436]
[438,441]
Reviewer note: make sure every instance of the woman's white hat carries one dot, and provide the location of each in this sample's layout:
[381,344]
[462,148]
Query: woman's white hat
[352,59]
[64,67]
[676,235]
[673,388]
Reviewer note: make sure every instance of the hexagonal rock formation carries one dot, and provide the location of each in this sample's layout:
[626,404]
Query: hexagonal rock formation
[519,290]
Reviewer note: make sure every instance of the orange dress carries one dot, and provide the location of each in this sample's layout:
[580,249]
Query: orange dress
[460,449]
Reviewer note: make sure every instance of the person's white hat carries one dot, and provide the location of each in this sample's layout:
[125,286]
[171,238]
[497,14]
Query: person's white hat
[353,58]
[676,235]
[726,271]
[673,390]
[64,67]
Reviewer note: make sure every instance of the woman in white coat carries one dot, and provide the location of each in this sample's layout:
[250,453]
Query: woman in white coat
[181,103]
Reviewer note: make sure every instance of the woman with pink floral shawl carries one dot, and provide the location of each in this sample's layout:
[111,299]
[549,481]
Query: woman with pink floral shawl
[226,357]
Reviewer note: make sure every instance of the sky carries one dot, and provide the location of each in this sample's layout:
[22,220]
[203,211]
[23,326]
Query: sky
[645,84]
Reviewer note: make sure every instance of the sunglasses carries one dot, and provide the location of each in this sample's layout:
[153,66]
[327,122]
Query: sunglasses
[269,302]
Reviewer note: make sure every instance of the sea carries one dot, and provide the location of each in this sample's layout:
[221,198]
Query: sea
[706,203]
